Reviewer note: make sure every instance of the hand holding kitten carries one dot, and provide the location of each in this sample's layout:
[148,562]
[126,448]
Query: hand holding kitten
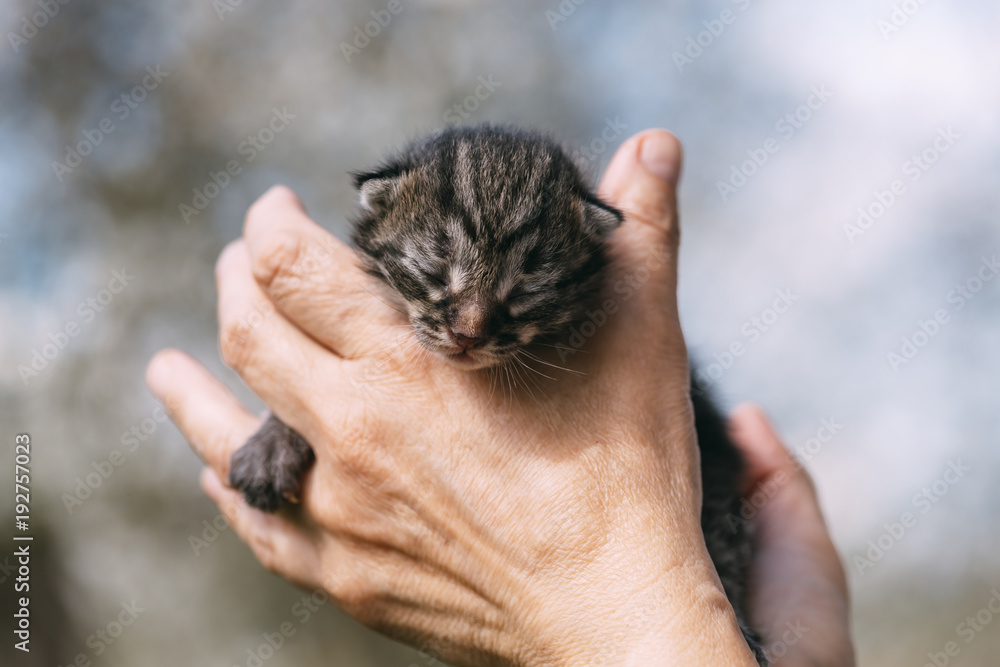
[421,515]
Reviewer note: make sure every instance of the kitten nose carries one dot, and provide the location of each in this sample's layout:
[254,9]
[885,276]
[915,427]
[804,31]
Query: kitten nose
[469,326]
[467,340]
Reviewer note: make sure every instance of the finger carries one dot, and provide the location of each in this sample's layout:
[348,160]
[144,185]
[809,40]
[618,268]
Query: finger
[280,545]
[641,180]
[312,277]
[208,415]
[798,575]
[763,452]
[777,478]
[283,366]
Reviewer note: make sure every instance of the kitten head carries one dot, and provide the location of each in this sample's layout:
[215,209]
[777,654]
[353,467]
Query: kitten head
[489,237]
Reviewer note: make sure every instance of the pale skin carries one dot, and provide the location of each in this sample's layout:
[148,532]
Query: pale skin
[552,523]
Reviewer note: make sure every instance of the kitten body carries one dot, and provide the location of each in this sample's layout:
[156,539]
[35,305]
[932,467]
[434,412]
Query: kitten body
[491,240]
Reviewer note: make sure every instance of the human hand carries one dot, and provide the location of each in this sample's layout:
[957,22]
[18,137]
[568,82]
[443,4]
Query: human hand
[799,601]
[556,524]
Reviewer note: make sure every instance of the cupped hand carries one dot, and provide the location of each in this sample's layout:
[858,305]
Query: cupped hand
[799,599]
[494,518]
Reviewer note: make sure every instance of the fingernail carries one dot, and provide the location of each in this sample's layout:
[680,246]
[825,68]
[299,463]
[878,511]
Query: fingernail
[658,154]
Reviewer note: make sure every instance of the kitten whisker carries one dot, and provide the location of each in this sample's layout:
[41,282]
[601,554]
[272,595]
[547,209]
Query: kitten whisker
[392,346]
[561,347]
[420,351]
[533,370]
[403,347]
[523,380]
[533,380]
[562,368]
[493,380]
[397,342]
[516,374]
[510,384]
[396,308]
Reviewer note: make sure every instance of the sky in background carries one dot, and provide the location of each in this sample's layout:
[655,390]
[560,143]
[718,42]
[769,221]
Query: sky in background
[841,158]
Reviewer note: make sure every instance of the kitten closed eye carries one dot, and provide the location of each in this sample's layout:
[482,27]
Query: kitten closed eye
[437,280]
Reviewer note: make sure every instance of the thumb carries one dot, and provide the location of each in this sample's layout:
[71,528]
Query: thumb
[642,182]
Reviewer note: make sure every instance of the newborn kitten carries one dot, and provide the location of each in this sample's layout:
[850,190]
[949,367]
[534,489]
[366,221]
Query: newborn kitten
[491,240]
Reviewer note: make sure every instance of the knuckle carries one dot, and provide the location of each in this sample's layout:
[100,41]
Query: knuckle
[258,210]
[232,510]
[223,444]
[225,260]
[655,209]
[807,481]
[357,447]
[235,344]
[356,596]
[276,261]
[263,549]
[661,222]
[263,544]
[672,231]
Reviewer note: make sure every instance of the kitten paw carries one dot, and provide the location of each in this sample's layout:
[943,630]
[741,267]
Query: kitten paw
[269,468]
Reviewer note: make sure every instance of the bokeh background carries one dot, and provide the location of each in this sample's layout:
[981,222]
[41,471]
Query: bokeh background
[885,78]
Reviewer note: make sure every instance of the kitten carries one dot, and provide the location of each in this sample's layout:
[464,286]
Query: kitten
[491,240]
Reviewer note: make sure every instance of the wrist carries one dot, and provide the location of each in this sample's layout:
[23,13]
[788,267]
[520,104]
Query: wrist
[702,632]
[681,617]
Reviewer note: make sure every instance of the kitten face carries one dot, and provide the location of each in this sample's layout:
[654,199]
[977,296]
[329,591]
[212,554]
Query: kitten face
[488,237]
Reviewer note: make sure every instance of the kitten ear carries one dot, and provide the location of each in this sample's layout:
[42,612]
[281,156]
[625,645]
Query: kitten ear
[376,191]
[600,218]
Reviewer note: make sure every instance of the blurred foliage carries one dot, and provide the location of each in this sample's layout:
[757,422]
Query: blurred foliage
[230,64]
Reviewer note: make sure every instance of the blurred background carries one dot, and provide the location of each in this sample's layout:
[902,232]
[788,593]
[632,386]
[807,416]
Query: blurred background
[840,222]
